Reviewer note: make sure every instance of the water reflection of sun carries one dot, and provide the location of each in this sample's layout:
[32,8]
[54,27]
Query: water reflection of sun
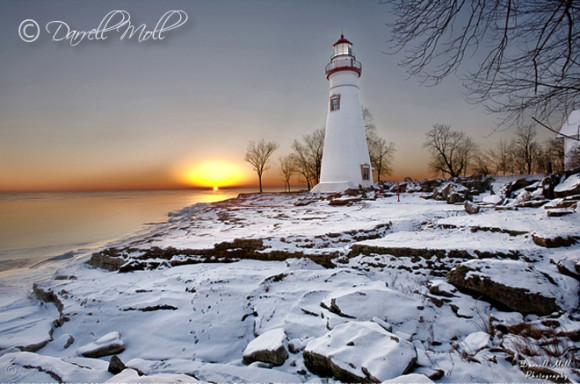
[213,174]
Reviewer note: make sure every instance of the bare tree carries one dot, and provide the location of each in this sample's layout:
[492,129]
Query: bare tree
[307,156]
[287,169]
[501,158]
[466,152]
[574,158]
[525,148]
[554,149]
[483,164]
[258,154]
[380,151]
[450,150]
[530,50]
[381,154]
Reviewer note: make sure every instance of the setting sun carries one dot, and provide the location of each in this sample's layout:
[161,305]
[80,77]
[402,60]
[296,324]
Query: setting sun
[213,174]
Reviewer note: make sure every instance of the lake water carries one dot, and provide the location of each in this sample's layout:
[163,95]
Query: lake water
[39,226]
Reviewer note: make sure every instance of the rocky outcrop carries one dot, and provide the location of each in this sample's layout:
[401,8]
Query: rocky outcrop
[109,344]
[510,283]
[361,352]
[269,347]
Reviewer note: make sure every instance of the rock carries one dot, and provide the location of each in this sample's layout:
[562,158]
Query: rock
[517,185]
[116,365]
[132,376]
[559,212]
[514,284]
[570,186]
[547,185]
[493,199]
[563,202]
[477,184]
[411,378]
[452,193]
[471,207]
[553,241]
[107,345]
[569,267]
[475,342]
[374,300]
[430,185]
[441,288]
[359,352]
[269,347]
[108,261]
[455,197]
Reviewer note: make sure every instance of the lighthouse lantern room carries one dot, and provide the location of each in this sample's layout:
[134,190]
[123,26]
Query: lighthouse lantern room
[345,159]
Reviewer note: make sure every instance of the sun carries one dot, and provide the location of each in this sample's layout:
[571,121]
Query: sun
[214,174]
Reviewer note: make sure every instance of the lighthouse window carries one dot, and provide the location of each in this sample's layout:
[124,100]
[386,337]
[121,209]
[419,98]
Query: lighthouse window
[334,102]
[365,171]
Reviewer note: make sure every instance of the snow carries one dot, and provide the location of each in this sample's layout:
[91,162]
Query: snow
[200,319]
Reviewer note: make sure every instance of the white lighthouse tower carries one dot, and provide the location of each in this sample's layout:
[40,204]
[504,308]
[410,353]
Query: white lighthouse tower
[345,160]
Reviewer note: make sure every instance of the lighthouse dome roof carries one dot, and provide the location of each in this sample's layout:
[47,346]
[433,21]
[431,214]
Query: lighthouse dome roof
[342,40]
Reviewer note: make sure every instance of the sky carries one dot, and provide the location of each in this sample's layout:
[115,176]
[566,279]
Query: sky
[121,113]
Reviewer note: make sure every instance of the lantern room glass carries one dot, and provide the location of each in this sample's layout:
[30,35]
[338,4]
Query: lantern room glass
[342,49]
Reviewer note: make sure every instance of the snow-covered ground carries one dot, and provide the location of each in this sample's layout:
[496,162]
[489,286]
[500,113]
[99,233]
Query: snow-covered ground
[355,288]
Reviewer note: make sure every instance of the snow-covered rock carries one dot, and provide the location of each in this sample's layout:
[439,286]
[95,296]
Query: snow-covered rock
[411,378]
[375,300]
[451,192]
[442,288]
[269,347]
[359,351]
[66,370]
[131,376]
[471,207]
[109,344]
[570,186]
[475,342]
[492,199]
[515,284]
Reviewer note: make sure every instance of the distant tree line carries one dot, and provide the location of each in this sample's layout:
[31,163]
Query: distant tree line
[455,154]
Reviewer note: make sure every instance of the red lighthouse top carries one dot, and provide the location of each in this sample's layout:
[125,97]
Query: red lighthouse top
[342,40]
[343,58]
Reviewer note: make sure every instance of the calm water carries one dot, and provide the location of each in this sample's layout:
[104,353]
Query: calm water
[38,226]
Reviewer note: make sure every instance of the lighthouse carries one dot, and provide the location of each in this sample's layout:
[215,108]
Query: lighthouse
[345,159]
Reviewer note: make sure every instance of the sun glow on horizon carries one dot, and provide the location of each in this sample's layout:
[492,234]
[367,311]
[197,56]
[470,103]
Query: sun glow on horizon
[213,174]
